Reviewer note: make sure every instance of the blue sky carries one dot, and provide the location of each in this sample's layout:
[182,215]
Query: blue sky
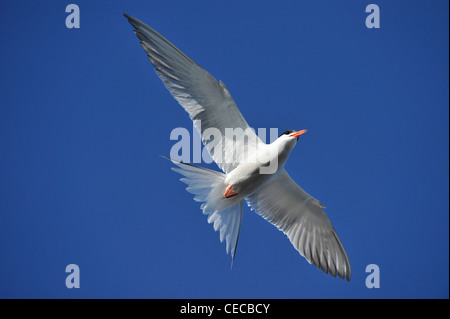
[84,119]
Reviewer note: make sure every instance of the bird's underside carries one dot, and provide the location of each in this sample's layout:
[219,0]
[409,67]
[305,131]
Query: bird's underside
[278,199]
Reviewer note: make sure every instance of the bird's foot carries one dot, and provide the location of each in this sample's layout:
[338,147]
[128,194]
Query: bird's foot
[229,192]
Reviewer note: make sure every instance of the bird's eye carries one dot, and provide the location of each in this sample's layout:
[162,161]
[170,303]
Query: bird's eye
[286,133]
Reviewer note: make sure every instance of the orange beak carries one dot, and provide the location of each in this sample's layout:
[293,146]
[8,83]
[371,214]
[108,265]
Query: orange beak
[297,134]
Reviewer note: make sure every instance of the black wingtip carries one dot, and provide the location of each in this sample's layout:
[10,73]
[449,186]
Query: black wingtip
[129,18]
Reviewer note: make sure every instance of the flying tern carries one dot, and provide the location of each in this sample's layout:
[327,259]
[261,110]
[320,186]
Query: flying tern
[274,195]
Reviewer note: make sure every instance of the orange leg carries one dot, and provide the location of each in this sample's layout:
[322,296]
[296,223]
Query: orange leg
[230,192]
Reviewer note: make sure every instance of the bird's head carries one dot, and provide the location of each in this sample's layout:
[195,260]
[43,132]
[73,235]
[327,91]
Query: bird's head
[288,139]
[291,135]
[285,144]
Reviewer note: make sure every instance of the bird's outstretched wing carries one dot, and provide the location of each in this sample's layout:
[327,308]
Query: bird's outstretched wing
[207,101]
[284,204]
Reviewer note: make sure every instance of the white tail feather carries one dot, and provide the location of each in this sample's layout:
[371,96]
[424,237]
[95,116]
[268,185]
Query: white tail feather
[208,186]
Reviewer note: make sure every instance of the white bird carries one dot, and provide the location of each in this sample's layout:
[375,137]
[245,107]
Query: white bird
[274,196]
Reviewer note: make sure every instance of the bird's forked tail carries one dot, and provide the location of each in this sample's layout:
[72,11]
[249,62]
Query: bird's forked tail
[209,187]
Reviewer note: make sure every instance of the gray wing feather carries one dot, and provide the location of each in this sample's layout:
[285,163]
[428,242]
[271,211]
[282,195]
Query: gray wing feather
[301,217]
[207,101]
